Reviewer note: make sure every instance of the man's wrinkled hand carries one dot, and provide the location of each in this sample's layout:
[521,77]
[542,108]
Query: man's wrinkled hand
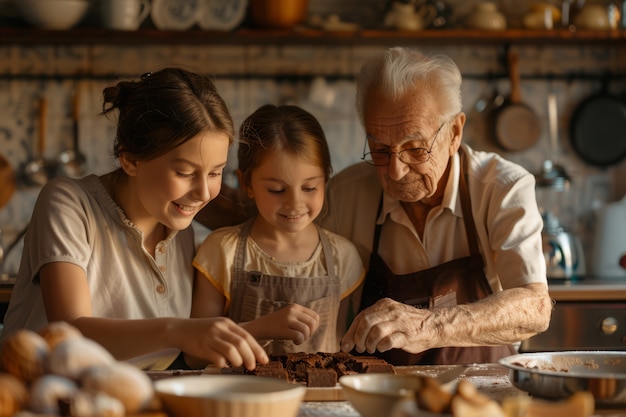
[386,325]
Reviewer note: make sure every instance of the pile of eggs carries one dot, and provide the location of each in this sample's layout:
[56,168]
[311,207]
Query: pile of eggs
[58,371]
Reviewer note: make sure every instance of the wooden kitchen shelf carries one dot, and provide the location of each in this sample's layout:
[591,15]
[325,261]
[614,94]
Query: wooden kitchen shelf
[26,36]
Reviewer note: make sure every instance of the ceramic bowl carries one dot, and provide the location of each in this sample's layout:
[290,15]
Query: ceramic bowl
[375,395]
[229,396]
[52,14]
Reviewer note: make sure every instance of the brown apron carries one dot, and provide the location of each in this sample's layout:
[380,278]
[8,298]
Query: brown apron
[255,294]
[459,281]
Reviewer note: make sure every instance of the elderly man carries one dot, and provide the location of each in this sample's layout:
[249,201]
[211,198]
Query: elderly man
[452,236]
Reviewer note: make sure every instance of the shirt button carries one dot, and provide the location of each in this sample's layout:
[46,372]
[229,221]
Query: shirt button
[160,289]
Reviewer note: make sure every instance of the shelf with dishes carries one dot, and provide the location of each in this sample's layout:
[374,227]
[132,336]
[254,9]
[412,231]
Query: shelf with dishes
[26,36]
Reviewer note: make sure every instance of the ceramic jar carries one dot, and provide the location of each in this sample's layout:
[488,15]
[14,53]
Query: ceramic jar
[593,16]
[485,16]
[542,16]
[404,16]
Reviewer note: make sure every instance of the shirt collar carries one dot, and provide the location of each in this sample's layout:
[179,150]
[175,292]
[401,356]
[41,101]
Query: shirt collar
[450,201]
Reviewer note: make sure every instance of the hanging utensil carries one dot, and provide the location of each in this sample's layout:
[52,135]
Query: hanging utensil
[72,162]
[552,174]
[516,124]
[7,181]
[597,129]
[39,170]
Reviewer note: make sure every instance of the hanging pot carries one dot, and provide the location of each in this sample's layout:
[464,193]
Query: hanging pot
[516,125]
[598,129]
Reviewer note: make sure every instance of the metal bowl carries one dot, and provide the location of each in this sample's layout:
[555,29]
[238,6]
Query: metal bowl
[557,375]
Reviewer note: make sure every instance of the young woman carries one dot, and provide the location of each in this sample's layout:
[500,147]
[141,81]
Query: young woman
[279,275]
[112,254]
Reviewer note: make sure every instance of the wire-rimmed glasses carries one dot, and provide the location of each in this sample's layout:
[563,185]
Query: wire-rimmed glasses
[409,156]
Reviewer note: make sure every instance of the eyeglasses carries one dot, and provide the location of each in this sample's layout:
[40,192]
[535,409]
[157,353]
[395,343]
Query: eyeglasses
[410,156]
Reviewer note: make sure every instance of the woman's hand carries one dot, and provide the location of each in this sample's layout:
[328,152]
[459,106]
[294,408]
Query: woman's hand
[293,322]
[221,341]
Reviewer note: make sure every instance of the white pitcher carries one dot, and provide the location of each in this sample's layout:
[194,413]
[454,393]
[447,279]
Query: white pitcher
[609,257]
[124,14]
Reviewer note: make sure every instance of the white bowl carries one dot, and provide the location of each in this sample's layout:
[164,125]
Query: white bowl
[375,395]
[52,14]
[229,396]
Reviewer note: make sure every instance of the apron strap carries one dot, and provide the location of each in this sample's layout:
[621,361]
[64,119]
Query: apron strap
[466,206]
[377,227]
[328,254]
[240,253]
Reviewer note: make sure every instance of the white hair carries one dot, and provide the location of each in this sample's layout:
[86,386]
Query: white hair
[396,72]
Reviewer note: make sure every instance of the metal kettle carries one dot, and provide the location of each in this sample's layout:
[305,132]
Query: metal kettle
[562,250]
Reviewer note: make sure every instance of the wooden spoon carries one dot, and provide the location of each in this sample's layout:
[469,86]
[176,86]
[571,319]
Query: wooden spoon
[7,181]
[38,170]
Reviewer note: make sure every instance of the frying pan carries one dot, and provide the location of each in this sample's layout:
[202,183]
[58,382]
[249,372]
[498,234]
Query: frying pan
[516,125]
[598,129]
[558,375]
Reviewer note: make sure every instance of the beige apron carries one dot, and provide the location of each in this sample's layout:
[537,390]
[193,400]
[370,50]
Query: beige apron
[459,281]
[254,294]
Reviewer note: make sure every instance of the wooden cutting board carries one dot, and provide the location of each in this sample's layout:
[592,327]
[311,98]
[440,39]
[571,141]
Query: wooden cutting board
[312,394]
[324,394]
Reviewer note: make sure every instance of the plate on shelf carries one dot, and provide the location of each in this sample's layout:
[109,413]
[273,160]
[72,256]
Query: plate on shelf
[176,14]
[222,15]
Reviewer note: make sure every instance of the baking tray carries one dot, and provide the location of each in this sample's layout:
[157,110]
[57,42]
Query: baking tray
[557,375]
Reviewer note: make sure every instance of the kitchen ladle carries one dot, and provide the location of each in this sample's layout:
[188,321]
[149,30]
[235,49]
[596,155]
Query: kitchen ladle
[72,162]
[552,174]
[39,170]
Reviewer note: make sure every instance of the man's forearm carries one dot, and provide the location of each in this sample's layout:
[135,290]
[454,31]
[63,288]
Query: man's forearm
[502,318]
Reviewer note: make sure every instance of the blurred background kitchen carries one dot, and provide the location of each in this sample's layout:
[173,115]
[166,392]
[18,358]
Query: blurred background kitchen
[568,59]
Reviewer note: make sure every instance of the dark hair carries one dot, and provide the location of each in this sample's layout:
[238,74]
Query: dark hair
[163,110]
[283,128]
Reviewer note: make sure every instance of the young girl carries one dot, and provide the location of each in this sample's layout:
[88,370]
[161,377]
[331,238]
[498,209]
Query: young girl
[112,254]
[279,274]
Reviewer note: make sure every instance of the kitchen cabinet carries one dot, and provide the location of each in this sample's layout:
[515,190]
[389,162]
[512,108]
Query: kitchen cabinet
[24,36]
[588,314]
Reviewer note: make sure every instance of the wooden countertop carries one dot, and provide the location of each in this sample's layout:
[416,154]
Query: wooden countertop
[588,289]
[490,379]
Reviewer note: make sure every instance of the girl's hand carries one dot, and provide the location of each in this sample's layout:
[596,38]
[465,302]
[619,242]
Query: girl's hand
[221,341]
[294,322]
